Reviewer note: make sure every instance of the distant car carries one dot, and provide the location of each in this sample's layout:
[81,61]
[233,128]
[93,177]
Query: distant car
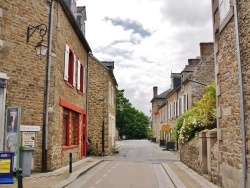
[89,146]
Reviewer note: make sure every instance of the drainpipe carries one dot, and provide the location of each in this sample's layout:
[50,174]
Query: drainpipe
[242,105]
[87,99]
[48,68]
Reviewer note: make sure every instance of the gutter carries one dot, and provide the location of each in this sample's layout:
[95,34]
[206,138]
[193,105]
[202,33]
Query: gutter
[242,105]
[48,70]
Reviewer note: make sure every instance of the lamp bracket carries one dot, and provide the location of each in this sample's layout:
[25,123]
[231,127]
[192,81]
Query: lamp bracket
[31,29]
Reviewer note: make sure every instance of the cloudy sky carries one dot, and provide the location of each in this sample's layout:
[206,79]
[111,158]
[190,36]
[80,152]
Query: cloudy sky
[147,40]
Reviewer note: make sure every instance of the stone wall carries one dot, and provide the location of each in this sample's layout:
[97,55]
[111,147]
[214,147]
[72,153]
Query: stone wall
[204,74]
[26,85]
[100,109]
[229,103]
[64,34]
[214,165]
[189,154]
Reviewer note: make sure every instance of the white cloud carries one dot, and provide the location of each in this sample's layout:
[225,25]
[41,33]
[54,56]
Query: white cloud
[147,39]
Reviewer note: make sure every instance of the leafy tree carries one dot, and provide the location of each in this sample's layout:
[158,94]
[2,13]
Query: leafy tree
[129,121]
[202,114]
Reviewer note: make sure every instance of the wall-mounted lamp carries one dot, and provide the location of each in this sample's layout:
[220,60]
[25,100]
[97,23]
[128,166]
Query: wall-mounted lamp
[41,47]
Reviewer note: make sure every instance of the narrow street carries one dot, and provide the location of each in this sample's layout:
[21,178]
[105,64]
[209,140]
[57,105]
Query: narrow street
[140,164]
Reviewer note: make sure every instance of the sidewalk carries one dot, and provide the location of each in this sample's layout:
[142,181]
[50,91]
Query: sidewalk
[58,178]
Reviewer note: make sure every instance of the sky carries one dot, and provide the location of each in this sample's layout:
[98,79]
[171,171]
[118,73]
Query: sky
[147,40]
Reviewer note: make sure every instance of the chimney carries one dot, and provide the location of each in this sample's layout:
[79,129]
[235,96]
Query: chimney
[206,49]
[155,90]
[194,62]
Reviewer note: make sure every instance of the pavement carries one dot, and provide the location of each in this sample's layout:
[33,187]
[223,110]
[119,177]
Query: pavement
[182,175]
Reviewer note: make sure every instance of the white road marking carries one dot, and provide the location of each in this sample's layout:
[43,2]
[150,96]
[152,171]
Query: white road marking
[104,175]
[162,177]
[98,181]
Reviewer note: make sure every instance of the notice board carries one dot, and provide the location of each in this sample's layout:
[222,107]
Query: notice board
[6,167]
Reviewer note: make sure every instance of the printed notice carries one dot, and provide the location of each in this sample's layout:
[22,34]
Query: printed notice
[5,165]
[28,139]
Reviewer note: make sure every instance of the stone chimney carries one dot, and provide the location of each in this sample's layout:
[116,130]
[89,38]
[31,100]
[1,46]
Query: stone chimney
[194,62]
[155,90]
[206,49]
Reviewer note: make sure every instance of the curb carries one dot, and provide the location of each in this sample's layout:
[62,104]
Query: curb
[78,173]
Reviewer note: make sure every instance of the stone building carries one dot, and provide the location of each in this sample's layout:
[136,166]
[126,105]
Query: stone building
[172,99]
[101,113]
[193,78]
[231,29]
[157,112]
[50,91]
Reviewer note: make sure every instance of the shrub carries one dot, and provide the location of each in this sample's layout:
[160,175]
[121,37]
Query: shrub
[202,114]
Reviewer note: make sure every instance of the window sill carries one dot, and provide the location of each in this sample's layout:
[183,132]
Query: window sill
[64,148]
[79,92]
[69,84]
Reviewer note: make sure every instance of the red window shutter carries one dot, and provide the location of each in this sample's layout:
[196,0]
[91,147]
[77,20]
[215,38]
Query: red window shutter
[82,78]
[71,68]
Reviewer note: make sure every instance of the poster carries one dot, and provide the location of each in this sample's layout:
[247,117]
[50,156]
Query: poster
[12,123]
[5,165]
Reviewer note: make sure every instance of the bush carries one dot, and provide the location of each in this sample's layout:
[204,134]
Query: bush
[202,114]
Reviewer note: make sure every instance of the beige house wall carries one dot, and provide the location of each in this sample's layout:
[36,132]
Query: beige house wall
[171,100]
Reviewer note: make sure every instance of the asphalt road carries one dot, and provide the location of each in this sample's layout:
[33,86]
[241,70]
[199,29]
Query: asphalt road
[139,164]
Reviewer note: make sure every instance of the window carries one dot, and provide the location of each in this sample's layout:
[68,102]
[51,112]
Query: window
[74,124]
[80,77]
[69,66]
[224,8]
[184,103]
[169,112]
[65,130]
[70,127]
[72,117]
[111,95]
[175,109]
[179,107]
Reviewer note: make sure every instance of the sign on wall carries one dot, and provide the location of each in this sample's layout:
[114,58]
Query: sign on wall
[28,139]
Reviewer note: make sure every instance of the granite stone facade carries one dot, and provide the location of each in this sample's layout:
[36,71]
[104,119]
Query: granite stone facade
[231,37]
[101,113]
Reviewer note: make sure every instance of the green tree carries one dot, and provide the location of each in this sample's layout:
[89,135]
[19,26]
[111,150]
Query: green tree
[130,121]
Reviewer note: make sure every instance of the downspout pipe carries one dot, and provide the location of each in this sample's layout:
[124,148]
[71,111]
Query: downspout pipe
[87,99]
[46,110]
[242,105]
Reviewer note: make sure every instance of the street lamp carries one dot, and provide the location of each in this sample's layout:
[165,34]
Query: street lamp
[41,47]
